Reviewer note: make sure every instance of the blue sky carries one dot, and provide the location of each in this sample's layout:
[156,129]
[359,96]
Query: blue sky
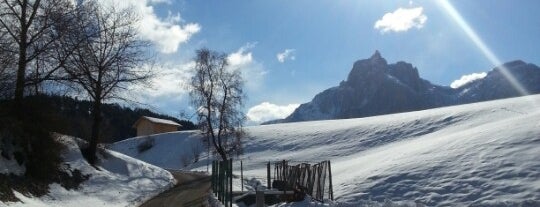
[320,40]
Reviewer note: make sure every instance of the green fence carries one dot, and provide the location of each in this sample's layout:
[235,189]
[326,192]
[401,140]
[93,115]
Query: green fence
[222,181]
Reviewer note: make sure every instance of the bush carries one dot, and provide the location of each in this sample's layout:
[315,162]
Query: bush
[145,145]
[28,138]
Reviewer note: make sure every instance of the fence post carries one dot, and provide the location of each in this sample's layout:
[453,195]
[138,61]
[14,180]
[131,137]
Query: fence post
[269,183]
[230,183]
[323,182]
[331,190]
[259,197]
[227,175]
[225,181]
[214,177]
[221,183]
[242,175]
[283,170]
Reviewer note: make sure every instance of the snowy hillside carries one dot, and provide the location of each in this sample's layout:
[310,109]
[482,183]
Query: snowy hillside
[483,153]
[121,181]
[168,149]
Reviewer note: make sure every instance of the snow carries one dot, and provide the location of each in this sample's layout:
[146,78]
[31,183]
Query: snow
[476,154]
[121,181]
[168,149]
[11,167]
[161,121]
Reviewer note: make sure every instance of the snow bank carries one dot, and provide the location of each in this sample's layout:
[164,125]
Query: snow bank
[168,150]
[121,181]
[482,154]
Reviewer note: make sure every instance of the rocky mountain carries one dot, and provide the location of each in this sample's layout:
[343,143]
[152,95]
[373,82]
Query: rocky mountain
[374,87]
[496,85]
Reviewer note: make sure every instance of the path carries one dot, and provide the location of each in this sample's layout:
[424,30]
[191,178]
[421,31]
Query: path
[191,190]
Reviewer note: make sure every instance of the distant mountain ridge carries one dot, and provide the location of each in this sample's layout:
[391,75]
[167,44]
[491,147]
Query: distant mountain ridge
[374,87]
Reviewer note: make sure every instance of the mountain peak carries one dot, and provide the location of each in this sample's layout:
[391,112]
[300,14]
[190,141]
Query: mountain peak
[376,55]
[368,68]
[512,64]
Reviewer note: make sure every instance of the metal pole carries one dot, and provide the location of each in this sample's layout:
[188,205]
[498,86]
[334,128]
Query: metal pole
[214,177]
[207,152]
[221,181]
[230,183]
[269,184]
[242,175]
[225,181]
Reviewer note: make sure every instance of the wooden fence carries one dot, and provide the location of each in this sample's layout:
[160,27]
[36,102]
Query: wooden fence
[222,181]
[314,180]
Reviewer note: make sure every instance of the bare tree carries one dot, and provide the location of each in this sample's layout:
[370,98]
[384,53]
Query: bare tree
[32,28]
[108,57]
[216,91]
[6,63]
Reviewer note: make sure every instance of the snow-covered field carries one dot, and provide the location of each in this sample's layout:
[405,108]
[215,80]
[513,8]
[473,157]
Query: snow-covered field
[481,154]
[121,181]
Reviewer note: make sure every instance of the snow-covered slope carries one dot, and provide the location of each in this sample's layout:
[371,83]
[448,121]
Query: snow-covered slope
[169,150]
[484,153]
[122,181]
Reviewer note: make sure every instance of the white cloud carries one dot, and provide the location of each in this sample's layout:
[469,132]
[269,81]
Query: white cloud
[166,33]
[161,1]
[287,54]
[167,90]
[171,79]
[253,72]
[467,79]
[242,56]
[401,20]
[268,111]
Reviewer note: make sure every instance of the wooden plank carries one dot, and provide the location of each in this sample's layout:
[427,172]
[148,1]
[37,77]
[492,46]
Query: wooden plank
[259,198]
[330,190]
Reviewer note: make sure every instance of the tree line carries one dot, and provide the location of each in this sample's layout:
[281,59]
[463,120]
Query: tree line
[72,117]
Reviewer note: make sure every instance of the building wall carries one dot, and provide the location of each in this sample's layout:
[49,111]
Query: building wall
[146,127]
[162,128]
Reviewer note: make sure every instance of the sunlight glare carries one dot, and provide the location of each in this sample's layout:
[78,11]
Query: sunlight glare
[456,16]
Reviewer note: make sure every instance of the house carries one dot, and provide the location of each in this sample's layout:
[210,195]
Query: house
[150,125]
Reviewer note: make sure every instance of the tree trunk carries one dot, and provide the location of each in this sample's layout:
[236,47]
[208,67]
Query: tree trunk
[219,149]
[21,67]
[222,153]
[21,70]
[94,138]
